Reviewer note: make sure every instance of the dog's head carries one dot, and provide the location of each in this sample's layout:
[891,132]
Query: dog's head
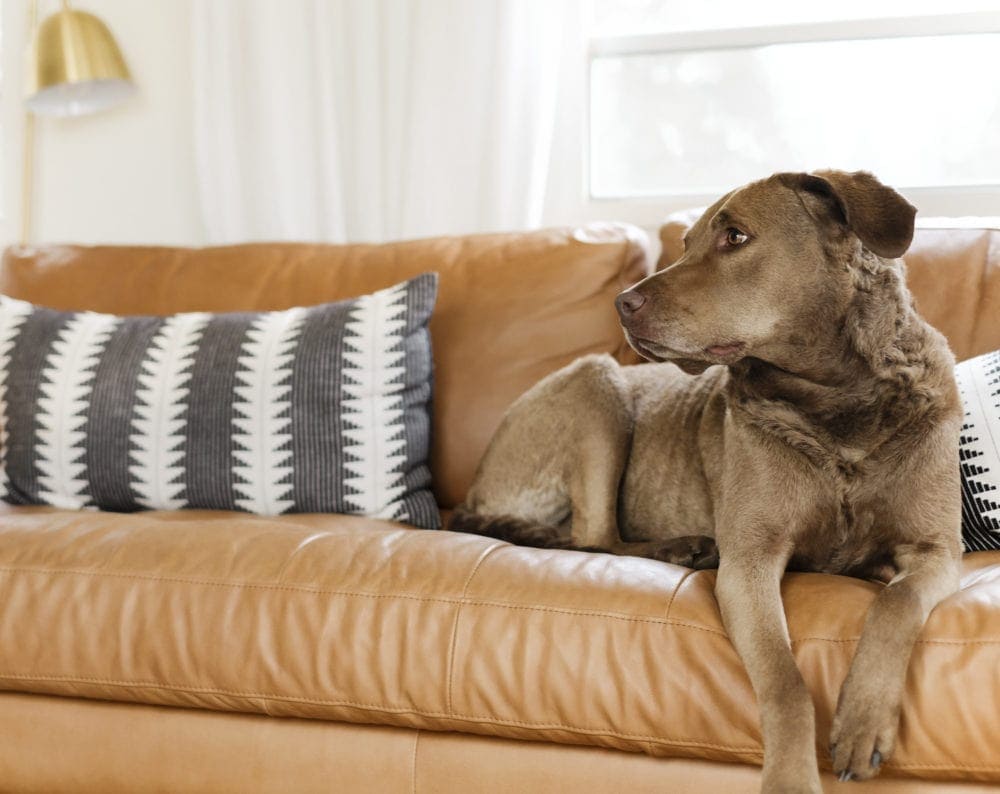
[764,268]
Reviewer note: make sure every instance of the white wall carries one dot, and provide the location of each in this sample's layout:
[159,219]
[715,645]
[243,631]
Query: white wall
[123,176]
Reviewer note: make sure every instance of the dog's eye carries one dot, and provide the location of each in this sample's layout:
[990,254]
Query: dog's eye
[735,237]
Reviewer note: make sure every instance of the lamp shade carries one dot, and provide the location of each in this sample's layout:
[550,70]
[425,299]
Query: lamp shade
[75,66]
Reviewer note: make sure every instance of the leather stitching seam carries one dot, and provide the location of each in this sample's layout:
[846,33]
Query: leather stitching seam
[387,709]
[651,619]
[388,596]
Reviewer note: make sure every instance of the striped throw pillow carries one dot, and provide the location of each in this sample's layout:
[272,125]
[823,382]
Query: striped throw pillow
[318,409]
[979,451]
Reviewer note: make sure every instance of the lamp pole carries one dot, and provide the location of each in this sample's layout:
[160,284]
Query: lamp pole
[28,149]
[75,68]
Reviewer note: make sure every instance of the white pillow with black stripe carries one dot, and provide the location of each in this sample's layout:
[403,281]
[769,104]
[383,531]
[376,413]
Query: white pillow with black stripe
[979,451]
[319,409]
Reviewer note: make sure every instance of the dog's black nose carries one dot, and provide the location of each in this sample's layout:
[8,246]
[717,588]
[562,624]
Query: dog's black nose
[629,302]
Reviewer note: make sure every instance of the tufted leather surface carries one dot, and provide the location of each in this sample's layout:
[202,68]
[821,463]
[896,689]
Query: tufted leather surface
[511,307]
[357,620]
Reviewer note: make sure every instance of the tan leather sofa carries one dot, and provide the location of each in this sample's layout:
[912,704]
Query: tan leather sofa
[209,651]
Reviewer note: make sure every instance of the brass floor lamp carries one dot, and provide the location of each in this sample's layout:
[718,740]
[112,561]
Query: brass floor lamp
[74,68]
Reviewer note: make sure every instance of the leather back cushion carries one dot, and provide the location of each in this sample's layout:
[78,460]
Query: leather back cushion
[954,275]
[511,307]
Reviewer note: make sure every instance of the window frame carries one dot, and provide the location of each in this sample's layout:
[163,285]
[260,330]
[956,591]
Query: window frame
[650,209]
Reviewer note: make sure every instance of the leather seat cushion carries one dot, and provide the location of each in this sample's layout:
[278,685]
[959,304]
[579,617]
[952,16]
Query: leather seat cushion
[358,620]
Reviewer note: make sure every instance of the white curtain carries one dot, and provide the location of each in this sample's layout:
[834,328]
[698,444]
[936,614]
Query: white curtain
[347,120]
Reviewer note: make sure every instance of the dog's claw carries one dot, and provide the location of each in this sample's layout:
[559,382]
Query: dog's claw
[846,776]
[876,759]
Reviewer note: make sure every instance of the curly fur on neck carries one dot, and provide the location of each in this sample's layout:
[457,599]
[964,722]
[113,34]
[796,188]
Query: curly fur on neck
[894,374]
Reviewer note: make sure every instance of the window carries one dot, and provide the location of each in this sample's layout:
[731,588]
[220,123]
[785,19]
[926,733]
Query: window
[688,99]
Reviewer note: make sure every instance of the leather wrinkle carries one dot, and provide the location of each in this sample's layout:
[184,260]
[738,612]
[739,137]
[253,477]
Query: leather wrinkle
[458,615]
[306,541]
[677,589]
[416,746]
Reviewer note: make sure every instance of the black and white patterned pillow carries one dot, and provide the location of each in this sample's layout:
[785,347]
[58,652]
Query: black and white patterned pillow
[979,451]
[319,409]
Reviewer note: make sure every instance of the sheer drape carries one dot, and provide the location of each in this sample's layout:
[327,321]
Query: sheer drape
[373,119]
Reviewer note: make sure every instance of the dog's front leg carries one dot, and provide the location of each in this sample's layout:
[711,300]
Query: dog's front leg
[749,594]
[864,728]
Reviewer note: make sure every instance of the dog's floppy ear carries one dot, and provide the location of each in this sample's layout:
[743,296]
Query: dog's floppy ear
[880,217]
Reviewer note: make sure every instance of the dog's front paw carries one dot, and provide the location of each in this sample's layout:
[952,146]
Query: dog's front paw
[863,733]
[691,551]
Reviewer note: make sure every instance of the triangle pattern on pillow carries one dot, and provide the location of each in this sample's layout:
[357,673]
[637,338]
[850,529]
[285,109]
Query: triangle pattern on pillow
[979,451]
[61,411]
[372,407]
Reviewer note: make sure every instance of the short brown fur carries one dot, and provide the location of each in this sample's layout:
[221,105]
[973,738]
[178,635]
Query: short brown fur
[817,428]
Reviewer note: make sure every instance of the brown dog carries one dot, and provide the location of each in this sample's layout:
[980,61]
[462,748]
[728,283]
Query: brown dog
[825,441]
